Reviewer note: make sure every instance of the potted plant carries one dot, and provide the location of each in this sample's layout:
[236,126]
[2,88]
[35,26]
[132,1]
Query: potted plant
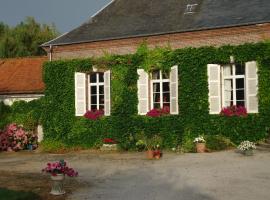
[247,147]
[153,147]
[200,144]
[58,170]
[109,144]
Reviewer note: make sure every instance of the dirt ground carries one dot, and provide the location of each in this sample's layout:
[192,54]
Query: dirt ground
[130,176]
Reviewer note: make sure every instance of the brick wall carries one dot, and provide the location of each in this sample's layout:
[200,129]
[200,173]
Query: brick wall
[216,37]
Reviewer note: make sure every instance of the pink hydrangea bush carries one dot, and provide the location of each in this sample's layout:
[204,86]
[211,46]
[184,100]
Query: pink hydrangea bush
[14,137]
[94,114]
[60,167]
[234,111]
[156,112]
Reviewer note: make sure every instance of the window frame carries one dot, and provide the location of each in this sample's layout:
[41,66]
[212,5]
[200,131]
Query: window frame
[160,81]
[97,85]
[232,77]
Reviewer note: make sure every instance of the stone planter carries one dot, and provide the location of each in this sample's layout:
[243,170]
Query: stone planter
[200,147]
[109,147]
[58,184]
[248,152]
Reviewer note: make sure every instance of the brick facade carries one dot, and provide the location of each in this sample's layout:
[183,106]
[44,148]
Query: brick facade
[216,37]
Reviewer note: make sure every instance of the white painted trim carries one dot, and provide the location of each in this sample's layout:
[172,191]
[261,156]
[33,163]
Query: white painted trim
[100,10]
[219,87]
[97,84]
[84,88]
[176,92]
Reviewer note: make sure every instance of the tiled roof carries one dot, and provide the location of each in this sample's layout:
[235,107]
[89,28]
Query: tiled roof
[134,18]
[21,75]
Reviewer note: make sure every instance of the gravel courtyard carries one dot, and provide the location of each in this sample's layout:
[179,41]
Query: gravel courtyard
[129,176]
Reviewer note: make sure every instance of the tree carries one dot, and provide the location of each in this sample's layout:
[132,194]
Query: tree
[25,38]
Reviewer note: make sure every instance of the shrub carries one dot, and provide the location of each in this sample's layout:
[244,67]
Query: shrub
[53,146]
[218,142]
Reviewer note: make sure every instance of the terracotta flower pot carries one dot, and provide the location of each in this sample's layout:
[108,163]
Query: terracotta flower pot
[200,147]
[150,154]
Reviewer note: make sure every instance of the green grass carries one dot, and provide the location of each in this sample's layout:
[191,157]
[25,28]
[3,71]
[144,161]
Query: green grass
[6,194]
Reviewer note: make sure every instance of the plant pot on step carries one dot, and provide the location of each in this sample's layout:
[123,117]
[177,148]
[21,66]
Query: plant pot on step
[150,154]
[248,152]
[200,147]
[58,184]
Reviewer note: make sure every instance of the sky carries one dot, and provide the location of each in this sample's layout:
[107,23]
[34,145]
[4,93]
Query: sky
[65,14]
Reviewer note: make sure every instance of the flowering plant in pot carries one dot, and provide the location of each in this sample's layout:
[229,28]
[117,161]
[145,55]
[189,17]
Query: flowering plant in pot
[153,145]
[230,111]
[247,147]
[109,144]
[94,114]
[200,144]
[58,170]
[157,112]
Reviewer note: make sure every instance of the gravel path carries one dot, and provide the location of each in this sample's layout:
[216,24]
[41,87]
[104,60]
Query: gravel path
[129,176]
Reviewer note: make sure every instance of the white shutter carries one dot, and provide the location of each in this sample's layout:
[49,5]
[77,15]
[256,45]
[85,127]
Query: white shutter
[251,87]
[80,94]
[143,93]
[107,93]
[174,90]
[214,88]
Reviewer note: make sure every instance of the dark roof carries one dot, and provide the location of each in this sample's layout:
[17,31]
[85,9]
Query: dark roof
[21,75]
[132,18]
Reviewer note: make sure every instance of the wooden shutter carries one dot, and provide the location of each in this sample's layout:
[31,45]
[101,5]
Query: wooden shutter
[107,93]
[174,90]
[214,84]
[251,87]
[143,93]
[80,94]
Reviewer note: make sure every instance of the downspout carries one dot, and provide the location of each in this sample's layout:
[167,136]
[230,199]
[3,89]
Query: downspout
[50,53]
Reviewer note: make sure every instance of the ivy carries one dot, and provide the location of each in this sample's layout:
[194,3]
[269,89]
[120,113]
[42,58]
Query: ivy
[59,119]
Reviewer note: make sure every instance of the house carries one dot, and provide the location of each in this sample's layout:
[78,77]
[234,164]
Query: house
[193,90]
[21,79]
[124,24]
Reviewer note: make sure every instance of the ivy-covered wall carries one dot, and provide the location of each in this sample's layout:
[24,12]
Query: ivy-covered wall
[59,119]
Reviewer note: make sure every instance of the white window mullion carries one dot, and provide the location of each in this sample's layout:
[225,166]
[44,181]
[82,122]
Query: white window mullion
[97,91]
[161,90]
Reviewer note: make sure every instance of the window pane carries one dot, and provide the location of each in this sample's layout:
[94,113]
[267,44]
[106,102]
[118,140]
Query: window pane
[166,97]
[101,107]
[101,99]
[240,95]
[165,75]
[93,107]
[156,105]
[101,77]
[156,87]
[156,97]
[156,75]
[93,90]
[101,89]
[240,69]
[94,99]
[240,83]
[166,105]
[93,78]
[228,93]
[240,103]
[166,87]
[227,70]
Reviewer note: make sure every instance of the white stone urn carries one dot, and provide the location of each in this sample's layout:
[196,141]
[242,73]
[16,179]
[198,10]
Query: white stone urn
[58,184]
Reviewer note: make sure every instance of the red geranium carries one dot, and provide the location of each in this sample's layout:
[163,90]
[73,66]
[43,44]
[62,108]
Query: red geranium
[109,141]
[156,112]
[234,111]
[94,114]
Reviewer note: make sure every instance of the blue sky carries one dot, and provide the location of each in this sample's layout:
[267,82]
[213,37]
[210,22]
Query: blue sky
[65,14]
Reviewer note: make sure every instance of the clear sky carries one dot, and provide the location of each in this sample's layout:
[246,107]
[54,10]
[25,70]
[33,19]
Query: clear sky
[65,14]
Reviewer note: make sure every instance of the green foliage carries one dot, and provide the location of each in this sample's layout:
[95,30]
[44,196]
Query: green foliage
[53,146]
[60,123]
[27,114]
[25,39]
[218,142]
[17,195]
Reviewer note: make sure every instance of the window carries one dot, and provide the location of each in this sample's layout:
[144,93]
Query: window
[190,9]
[92,92]
[233,84]
[96,91]
[158,90]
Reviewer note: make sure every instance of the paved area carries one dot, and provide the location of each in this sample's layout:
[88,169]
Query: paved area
[129,176]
